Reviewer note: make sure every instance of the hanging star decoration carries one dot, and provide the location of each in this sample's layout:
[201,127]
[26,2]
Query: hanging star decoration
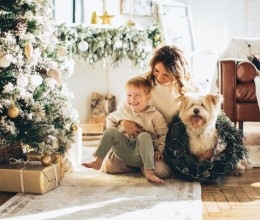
[106,19]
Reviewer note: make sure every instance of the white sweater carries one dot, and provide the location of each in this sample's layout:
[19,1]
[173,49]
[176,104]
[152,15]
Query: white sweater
[164,99]
[149,120]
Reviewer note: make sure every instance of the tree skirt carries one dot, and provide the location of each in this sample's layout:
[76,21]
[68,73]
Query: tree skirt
[90,194]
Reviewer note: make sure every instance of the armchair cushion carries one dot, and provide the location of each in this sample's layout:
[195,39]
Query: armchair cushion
[245,92]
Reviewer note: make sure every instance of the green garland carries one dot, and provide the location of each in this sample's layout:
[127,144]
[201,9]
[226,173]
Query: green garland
[187,167]
[116,44]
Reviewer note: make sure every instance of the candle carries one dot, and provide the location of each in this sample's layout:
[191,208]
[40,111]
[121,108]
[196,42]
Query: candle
[130,9]
[104,6]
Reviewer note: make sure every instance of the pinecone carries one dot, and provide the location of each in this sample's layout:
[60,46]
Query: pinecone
[20,26]
[40,70]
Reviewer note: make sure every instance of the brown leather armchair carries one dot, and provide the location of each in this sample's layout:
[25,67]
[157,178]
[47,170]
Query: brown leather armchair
[238,89]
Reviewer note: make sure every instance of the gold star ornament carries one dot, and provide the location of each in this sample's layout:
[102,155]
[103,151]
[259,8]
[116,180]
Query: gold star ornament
[106,19]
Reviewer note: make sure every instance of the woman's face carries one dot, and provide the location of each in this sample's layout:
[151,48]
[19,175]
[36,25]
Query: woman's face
[161,74]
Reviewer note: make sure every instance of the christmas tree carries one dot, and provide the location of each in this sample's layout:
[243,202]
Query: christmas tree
[35,106]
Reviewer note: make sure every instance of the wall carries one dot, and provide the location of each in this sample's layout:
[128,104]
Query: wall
[214,23]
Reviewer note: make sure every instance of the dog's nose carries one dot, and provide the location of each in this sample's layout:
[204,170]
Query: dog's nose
[196,111]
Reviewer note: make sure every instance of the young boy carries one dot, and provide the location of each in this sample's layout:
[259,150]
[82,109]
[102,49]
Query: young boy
[134,151]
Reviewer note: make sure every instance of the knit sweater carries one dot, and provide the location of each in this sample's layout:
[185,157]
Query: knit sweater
[150,120]
[164,99]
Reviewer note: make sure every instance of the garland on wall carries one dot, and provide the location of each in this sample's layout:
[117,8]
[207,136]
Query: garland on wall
[187,167]
[94,44]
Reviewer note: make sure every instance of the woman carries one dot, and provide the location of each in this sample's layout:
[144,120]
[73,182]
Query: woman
[170,78]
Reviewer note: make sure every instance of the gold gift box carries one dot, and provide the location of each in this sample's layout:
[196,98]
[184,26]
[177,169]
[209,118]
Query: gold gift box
[29,178]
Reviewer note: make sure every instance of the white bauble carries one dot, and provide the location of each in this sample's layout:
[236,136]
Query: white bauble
[69,70]
[118,44]
[83,45]
[4,60]
[22,81]
[54,73]
[36,80]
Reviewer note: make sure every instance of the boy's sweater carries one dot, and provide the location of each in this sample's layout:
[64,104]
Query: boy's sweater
[149,120]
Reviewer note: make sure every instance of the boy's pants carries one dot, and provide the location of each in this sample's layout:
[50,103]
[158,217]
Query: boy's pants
[133,152]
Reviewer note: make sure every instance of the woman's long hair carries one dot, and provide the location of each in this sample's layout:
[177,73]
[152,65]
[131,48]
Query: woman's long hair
[175,64]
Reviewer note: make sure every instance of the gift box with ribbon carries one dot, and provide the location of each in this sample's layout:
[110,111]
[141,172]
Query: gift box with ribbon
[29,177]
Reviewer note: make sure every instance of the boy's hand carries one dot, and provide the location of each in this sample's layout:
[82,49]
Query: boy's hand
[131,128]
[158,155]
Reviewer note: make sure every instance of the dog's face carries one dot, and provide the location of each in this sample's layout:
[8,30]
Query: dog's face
[199,111]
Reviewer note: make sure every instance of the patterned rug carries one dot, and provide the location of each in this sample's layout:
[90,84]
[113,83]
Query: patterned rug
[90,194]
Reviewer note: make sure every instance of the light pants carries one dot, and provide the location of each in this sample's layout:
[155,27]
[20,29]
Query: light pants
[135,152]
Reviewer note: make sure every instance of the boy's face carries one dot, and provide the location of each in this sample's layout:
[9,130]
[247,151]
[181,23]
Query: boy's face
[137,100]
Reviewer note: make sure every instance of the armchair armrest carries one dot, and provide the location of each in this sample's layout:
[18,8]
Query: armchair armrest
[227,84]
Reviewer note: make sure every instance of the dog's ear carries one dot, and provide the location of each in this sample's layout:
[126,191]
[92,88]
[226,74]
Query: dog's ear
[215,99]
[184,100]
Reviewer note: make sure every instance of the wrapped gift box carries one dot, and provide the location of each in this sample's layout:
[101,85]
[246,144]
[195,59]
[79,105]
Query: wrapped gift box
[29,178]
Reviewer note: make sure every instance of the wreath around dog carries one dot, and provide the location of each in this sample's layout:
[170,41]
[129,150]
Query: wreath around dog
[187,167]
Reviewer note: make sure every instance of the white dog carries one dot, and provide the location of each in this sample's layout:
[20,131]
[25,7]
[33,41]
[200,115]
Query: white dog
[199,114]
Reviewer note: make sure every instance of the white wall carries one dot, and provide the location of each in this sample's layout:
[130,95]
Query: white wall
[214,23]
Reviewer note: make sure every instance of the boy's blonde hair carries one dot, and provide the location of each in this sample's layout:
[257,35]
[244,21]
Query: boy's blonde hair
[140,82]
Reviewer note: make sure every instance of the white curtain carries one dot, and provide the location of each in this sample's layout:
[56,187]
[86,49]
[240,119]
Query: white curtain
[254,18]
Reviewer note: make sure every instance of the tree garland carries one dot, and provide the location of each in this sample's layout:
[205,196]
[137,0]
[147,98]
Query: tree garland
[94,44]
[187,167]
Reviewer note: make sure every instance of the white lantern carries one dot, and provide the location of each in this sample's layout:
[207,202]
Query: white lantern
[83,45]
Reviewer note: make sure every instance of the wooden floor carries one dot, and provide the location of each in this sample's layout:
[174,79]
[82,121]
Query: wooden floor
[237,198]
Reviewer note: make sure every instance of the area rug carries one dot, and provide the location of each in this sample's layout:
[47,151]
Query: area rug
[90,194]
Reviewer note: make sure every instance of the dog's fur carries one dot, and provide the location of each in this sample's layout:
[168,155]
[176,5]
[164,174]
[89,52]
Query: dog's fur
[199,114]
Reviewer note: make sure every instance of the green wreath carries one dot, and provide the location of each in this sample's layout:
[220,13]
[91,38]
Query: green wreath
[187,167]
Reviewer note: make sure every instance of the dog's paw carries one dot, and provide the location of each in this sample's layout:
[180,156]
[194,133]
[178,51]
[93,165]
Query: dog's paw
[240,169]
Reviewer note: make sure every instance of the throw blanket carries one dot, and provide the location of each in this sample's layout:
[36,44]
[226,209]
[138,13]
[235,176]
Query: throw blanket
[187,167]
[257,89]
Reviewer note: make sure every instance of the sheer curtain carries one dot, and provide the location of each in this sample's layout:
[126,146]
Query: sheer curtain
[253,18]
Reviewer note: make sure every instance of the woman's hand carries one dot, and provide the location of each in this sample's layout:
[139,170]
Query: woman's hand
[158,155]
[207,155]
[131,128]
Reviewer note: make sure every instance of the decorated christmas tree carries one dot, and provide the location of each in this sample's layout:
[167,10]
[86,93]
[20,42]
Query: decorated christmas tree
[35,106]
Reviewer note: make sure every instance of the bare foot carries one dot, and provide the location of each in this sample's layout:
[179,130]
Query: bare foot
[94,165]
[149,174]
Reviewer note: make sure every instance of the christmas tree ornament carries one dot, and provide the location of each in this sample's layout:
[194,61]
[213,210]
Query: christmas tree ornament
[106,19]
[4,60]
[62,52]
[36,80]
[67,165]
[46,160]
[69,70]
[54,73]
[40,70]
[83,45]
[22,81]
[94,18]
[20,26]
[28,50]
[118,44]
[74,127]
[13,111]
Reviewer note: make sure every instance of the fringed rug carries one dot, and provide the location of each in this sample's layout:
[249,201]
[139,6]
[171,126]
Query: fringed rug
[90,194]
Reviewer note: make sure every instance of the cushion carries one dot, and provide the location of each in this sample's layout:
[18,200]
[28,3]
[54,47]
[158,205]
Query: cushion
[246,72]
[245,92]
